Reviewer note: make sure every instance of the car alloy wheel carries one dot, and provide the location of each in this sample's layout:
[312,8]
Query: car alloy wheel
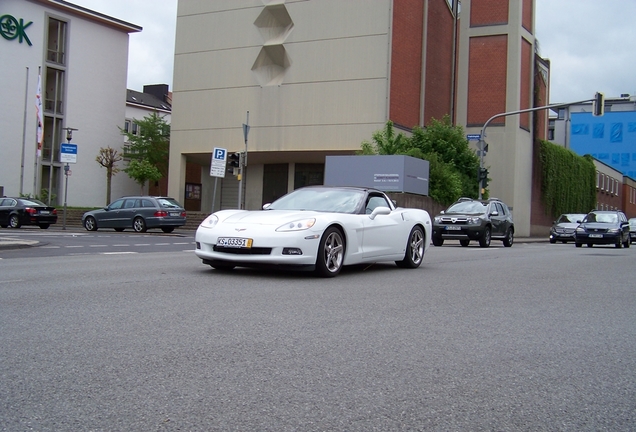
[139,225]
[14,221]
[510,238]
[90,224]
[330,253]
[484,241]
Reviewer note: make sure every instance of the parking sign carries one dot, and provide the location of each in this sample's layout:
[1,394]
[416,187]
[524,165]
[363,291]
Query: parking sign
[217,165]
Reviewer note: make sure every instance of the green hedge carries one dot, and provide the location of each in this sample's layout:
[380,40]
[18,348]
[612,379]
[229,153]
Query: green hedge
[568,181]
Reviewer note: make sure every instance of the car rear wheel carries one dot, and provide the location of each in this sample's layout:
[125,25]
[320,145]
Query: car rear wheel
[90,224]
[619,244]
[464,242]
[438,241]
[414,249]
[167,230]
[626,244]
[510,238]
[44,226]
[484,241]
[14,221]
[139,225]
[553,241]
[330,253]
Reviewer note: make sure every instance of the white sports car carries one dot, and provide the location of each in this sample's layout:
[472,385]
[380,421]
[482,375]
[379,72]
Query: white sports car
[317,228]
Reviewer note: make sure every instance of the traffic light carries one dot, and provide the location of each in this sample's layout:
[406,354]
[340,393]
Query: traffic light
[598,106]
[483,174]
[233,162]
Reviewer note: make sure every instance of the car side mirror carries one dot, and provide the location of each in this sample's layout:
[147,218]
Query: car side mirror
[442,212]
[494,213]
[379,211]
[266,206]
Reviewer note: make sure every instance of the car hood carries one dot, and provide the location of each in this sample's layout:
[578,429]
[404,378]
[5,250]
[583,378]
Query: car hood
[599,225]
[265,217]
[569,225]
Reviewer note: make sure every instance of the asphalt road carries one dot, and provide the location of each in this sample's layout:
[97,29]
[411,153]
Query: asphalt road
[533,337]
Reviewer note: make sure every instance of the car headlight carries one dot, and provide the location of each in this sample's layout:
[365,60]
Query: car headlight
[580,230]
[437,219]
[210,221]
[297,225]
[473,220]
[613,230]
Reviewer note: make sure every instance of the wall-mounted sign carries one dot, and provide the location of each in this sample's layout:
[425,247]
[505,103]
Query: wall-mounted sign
[11,28]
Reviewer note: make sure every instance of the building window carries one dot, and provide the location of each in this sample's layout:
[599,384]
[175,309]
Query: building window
[56,42]
[135,129]
[561,114]
[127,126]
[598,179]
[54,91]
[602,182]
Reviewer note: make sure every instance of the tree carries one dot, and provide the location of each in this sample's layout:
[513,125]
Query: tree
[450,143]
[141,170]
[453,164]
[149,149]
[386,142]
[108,158]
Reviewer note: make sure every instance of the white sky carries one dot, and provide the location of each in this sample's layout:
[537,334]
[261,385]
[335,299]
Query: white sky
[591,44]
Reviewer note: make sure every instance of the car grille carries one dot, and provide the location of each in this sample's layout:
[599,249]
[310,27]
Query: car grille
[596,230]
[564,230]
[454,220]
[238,251]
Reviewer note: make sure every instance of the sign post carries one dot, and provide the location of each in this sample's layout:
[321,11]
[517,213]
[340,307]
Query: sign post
[68,154]
[217,168]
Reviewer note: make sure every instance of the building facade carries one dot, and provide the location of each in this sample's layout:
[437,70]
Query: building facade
[80,57]
[319,77]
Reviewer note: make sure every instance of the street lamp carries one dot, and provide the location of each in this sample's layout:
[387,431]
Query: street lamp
[69,136]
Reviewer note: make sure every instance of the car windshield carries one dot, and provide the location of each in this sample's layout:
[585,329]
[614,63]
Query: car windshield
[319,199]
[168,203]
[632,223]
[601,217]
[570,218]
[468,207]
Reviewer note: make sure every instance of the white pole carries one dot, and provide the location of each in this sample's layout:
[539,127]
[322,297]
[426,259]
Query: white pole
[24,122]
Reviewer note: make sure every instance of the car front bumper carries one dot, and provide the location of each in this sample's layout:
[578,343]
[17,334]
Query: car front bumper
[298,248]
[464,232]
[607,238]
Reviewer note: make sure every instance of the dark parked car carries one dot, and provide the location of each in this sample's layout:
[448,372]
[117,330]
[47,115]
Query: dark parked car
[563,228]
[470,219]
[139,213]
[632,230]
[603,227]
[15,212]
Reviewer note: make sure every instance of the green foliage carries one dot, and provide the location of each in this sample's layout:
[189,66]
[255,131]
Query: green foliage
[453,164]
[44,196]
[386,142]
[568,183]
[150,148]
[141,170]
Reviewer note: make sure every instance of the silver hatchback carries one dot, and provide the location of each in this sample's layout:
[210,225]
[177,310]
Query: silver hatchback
[139,213]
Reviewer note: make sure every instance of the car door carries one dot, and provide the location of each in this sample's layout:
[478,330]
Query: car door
[497,217]
[4,211]
[109,217]
[126,213]
[384,234]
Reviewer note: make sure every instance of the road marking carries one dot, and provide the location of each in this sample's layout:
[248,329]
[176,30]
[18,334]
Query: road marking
[50,247]
[74,246]
[117,253]
[143,244]
[183,243]
[98,246]
[162,244]
[120,245]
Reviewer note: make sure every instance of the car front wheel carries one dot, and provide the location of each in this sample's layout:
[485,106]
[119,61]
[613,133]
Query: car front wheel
[90,224]
[330,253]
[414,249]
[464,242]
[484,241]
[44,226]
[438,241]
[139,225]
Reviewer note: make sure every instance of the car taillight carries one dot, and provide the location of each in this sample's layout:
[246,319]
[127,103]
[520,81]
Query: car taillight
[30,210]
[161,213]
[183,214]
[54,211]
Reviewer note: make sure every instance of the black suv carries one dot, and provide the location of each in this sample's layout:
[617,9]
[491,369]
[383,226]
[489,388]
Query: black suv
[470,219]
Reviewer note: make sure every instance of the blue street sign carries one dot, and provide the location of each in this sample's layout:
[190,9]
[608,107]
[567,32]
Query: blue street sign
[473,137]
[68,153]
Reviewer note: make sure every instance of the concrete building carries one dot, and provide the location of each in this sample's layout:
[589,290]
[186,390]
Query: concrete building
[83,58]
[319,77]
